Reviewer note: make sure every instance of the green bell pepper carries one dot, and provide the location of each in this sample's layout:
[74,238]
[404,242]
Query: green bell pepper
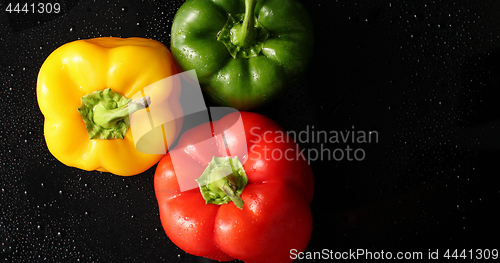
[244,51]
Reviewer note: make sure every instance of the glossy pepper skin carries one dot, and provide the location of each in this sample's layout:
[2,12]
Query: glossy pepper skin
[125,65]
[275,216]
[241,82]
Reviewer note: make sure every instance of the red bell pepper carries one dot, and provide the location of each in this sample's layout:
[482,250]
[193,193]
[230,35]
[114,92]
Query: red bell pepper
[258,213]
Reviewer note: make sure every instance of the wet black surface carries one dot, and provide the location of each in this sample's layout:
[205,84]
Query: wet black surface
[423,74]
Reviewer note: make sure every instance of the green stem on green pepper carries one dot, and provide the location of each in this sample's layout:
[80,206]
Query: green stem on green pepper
[244,34]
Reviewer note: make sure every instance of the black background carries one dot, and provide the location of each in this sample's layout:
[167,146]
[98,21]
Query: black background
[424,74]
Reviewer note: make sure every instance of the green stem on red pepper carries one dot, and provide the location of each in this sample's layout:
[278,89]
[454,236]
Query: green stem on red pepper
[223,181]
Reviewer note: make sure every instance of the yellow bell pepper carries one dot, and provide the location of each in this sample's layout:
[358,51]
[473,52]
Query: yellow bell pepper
[83,91]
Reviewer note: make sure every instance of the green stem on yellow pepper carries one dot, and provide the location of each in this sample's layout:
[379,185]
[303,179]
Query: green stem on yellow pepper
[106,113]
[107,118]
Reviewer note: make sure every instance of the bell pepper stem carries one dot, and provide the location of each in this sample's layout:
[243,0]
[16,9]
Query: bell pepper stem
[244,34]
[107,118]
[106,113]
[230,191]
[223,181]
